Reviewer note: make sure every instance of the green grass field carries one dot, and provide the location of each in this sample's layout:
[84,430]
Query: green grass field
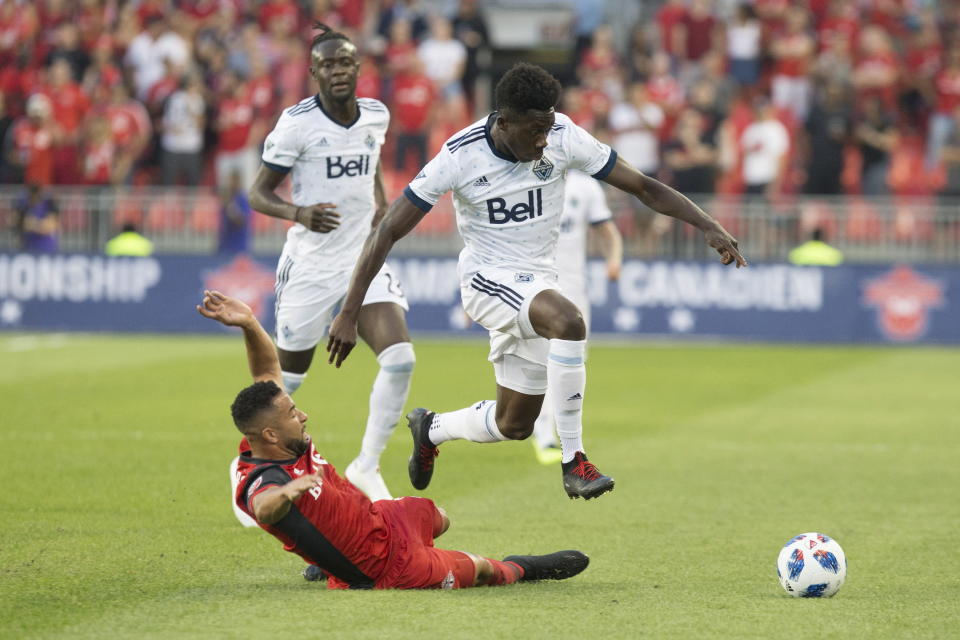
[116,523]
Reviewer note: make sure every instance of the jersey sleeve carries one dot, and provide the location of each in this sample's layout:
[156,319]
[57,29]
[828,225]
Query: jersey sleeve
[282,147]
[598,211]
[433,181]
[588,154]
[261,479]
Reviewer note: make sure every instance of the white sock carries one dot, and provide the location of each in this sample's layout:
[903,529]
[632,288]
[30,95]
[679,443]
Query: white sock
[543,432]
[387,397]
[292,381]
[476,423]
[567,380]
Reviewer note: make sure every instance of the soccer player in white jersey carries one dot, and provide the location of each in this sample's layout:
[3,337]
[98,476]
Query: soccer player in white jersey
[507,173]
[584,209]
[330,144]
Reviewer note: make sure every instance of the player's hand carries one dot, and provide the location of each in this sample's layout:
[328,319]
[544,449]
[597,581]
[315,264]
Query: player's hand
[343,338]
[296,488]
[726,246]
[321,217]
[223,309]
[613,270]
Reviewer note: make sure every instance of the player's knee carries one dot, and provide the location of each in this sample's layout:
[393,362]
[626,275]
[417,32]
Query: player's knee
[440,523]
[515,429]
[484,569]
[567,325]
[398,358]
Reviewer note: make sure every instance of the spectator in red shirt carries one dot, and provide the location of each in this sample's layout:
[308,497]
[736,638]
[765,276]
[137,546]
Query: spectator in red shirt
[235,119]
[668,18]
[99,153]
[18,28]
[262,94]
[70,106]
[283,10]
[946,94]
[34,136]
[793,53]
[401,48]
[842,20]
[414,97]
[103,72]
[131,130]
[876,73]
[696,35]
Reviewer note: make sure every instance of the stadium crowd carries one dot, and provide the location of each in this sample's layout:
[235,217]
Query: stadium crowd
[771,97]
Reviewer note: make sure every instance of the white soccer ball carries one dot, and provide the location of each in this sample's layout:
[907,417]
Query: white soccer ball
[811,565]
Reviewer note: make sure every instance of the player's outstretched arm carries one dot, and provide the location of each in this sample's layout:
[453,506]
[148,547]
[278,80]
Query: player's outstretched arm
[321,217]
[261,354]
[670,202]
[400,219]
[274,503]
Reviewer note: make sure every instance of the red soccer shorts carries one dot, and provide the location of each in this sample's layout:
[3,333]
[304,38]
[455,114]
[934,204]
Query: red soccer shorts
[415,563]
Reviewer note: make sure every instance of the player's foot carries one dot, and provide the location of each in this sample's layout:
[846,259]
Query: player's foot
[420,466]
[553,566]
[582,479]
[313,573]
[370,482]
[547,454]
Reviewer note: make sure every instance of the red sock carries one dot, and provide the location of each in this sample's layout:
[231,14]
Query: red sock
[504,572]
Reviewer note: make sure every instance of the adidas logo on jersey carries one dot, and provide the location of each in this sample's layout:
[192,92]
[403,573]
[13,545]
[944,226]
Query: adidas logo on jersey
[323,143]
[575,396]
[481,182]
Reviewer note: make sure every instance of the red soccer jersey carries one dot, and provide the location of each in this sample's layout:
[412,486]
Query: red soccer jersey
[70,105]
[34,145]
[333,525]
[412,96]
[260,90]
[127,121]
[668,17]
[236,118]
[924,62]
[947,84]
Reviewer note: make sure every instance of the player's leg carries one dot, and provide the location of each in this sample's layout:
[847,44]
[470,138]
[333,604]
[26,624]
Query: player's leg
[304,308]
[545,442]
[556,318]
[383,327]
[552,566]
[544,439]
[520,387]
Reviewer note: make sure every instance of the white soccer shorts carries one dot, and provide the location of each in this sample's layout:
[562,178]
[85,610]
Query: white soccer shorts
[499,300]
[307,302]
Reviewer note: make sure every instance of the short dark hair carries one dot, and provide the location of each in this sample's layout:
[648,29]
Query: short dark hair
[526,86]
[326,33]
[251,401]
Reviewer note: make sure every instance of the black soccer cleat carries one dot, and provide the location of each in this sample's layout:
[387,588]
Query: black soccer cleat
[313,573]
[582,479]
[553,566]
[420,466]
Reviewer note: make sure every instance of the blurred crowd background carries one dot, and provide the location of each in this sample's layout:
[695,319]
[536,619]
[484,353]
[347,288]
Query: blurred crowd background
[774,100]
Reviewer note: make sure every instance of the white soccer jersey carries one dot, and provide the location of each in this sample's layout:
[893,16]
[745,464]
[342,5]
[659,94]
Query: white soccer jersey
[331,163]
[508,212]
[583,205]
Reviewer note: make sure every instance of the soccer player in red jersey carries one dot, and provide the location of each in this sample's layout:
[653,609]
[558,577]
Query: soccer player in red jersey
[298,497]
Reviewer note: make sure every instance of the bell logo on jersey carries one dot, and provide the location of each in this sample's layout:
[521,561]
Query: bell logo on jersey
[337,167]
[500,213]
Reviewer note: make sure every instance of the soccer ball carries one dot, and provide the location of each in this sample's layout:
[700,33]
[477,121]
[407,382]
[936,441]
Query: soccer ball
[811,565]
